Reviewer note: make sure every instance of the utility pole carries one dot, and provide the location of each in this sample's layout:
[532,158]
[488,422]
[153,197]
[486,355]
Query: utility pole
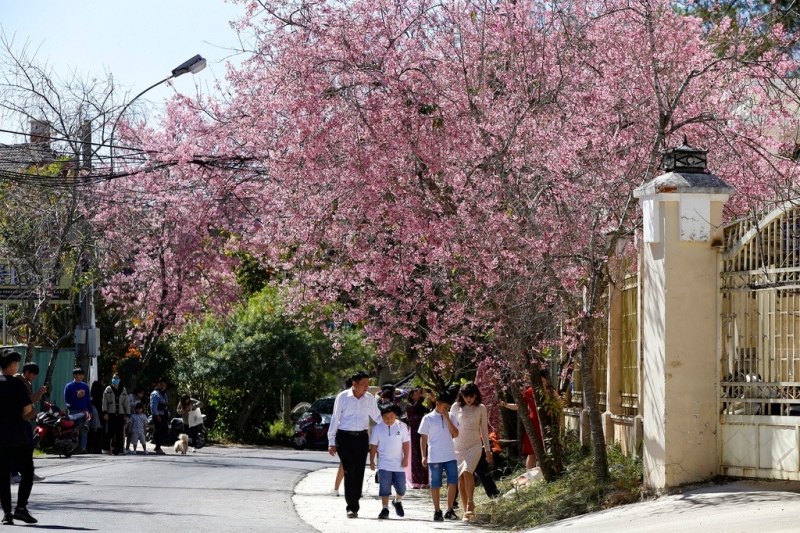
[86,339]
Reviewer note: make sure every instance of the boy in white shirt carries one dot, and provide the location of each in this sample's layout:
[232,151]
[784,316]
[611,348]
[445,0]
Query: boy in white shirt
[391,441]
[437,431]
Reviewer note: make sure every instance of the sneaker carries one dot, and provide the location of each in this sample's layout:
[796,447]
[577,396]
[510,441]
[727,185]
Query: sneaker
[384,513]
[451,515]
[38,478]
[159,451]
[192,449]
[16,479]
[21,513]
[437,516]
[398,508]
[144,452]
[8,519]
[334,492]
[352,514]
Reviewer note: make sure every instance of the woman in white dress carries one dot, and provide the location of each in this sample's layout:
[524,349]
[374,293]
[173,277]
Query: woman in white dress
[473,435]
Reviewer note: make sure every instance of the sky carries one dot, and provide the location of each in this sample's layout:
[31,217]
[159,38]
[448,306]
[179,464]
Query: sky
[139,42]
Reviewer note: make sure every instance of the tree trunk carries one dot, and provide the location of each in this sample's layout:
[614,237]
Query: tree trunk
[51,365]
[286,401]
[586,358]
[550,420]
[545,462]
[247,410]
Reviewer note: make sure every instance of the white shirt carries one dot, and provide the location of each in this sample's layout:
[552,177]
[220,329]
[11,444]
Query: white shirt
[352,414]
[389,440]
[441,448]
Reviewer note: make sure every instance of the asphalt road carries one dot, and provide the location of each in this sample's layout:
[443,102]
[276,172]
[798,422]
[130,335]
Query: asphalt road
[216,489]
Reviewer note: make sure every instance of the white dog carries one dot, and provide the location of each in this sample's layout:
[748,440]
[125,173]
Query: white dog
[182,444]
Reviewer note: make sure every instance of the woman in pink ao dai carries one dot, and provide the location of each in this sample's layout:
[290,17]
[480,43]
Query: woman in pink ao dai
[472,436]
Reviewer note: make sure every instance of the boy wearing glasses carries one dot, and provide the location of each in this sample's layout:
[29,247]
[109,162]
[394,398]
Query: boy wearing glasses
[437,431]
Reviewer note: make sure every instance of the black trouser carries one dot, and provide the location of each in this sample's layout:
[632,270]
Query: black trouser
[13,464]
[115,432]
[160,431]
[23,459]
[353,448]
[192,433]
[483,472]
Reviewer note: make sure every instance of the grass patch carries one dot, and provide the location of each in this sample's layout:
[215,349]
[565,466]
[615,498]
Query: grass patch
[574,493]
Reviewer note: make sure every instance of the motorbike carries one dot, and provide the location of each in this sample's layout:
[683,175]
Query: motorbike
[174,428]
[60,431]
[312,431]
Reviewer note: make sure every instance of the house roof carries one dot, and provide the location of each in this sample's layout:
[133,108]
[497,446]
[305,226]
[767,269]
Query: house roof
[20,157]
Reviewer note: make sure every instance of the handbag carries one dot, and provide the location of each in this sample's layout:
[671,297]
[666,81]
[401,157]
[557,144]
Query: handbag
[195,418]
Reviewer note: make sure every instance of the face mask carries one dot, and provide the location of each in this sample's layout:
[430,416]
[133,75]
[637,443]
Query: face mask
[115,382]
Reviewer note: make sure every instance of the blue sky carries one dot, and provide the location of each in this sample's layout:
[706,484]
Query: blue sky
[137,41]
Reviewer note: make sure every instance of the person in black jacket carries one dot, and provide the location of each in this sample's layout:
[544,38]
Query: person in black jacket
[16,409]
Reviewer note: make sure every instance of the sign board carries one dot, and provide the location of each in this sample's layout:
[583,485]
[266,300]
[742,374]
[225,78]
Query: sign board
[18,287]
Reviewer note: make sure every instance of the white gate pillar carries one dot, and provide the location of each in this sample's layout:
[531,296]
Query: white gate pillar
[682,212]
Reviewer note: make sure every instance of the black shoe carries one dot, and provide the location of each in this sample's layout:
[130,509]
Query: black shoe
[8,519]
[398,508]
[384,513]
[455,504]
[437,516]
[21,513]
[451,515]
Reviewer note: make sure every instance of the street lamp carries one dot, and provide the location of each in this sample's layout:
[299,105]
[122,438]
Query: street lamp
[193,65]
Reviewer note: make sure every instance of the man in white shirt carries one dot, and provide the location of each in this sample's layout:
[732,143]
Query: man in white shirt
[348,436]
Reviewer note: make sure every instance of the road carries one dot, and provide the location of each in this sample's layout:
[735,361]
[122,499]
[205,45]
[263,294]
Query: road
[216,489]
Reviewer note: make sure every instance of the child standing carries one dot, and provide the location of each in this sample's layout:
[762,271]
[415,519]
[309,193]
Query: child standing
[138,425]
[437,431]
[391,441]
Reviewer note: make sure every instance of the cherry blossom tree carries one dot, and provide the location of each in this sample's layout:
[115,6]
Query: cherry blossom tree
[446,170]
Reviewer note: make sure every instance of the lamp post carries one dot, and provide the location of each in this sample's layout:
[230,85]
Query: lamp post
[87,319]
[192,65]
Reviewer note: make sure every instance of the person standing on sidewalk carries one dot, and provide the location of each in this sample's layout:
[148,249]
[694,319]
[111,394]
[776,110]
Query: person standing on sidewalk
[29,372]
[16,410]
[414,413]
[116,411]
[159,408]
[348,436]
[138,427]
[76,394]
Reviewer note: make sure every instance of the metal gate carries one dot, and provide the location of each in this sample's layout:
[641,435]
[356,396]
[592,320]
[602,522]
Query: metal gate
[759,391]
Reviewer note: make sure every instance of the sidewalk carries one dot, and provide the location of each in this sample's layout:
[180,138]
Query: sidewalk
[317,507]
[744,506]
